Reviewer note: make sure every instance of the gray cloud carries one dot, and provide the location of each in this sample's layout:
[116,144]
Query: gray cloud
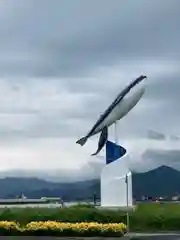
[62,63]
[155,135]
[61,39]
[150,159]
[58,175]
[164,157]
[175,138]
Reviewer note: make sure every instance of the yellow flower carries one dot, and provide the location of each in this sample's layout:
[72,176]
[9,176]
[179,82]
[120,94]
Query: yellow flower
[83,227]
[8,225]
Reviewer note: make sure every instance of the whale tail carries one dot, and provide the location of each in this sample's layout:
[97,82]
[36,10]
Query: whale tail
[82,141]
[102,140]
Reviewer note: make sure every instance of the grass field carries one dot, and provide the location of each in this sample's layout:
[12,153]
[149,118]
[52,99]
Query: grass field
[156,216]
[158,207]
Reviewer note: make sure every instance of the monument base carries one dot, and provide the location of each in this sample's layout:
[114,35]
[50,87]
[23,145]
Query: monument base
[123,209]
[116,185]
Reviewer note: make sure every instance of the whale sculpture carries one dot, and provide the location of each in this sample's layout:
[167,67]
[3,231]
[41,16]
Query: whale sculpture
[122,104]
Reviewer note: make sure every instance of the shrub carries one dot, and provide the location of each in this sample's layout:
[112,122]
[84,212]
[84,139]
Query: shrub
[73,215]
[53,228]
[9,228]
[81,205]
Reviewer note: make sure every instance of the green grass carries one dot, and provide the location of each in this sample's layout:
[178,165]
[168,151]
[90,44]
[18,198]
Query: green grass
[147,216]
[156,216]
[166,208]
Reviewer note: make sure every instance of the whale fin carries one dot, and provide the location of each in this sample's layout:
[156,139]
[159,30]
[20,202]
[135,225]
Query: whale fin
[82,141]
[102,140]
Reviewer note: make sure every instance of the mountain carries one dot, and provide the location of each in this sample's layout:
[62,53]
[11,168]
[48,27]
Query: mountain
[36,188]
[163,181]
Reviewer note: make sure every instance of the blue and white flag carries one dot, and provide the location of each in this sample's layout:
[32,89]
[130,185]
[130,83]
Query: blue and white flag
[114,152]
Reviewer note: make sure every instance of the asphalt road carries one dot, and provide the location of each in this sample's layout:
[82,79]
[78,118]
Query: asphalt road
[56,238]
[153,236]
[132,236]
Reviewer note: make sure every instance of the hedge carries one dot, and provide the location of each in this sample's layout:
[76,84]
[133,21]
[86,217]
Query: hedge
[147,217]
[53,228]
[73,215]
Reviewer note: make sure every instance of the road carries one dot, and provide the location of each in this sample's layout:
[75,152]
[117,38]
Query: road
[132,236]
[153,236]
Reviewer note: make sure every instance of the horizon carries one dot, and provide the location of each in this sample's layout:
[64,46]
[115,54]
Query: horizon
[54,178]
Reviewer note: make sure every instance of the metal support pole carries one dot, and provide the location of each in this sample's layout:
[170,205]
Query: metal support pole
[127,203]
[115,133]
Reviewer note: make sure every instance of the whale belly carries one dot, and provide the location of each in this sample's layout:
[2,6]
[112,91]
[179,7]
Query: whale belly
[129,103]
[122,109]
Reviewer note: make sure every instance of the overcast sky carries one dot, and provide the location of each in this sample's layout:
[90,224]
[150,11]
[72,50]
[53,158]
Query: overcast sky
[62,62]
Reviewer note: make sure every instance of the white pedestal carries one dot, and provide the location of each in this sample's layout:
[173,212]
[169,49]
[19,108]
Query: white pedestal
[114,189]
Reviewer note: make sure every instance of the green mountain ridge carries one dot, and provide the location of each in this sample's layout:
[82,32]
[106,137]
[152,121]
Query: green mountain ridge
[163,181]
